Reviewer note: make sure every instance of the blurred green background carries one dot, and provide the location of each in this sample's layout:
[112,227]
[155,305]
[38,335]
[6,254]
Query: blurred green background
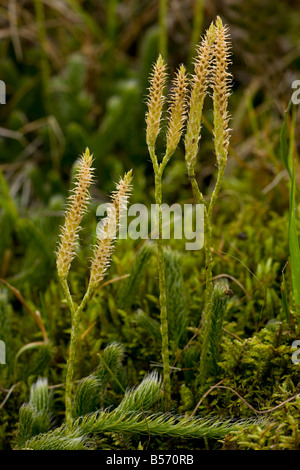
[76,74]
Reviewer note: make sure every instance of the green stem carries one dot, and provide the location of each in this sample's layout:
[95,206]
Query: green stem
[208,212]
[206,321]
[208,243]
[163,300]
[207,236]
[68,296]
[158,172]
[208,266]
[221,155]
[76,315]
[217,188]
[195,187]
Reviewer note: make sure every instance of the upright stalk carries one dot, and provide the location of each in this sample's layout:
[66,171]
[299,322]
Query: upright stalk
[158,172]
[210,69]
[76,317]
[176,120]
[200,82]
[207,239]
[102,254]
[208,243]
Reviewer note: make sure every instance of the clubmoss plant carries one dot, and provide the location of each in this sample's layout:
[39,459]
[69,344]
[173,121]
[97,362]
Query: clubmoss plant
[102,252]
[213,331]
[132,415]
[210,69]
[176,119]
